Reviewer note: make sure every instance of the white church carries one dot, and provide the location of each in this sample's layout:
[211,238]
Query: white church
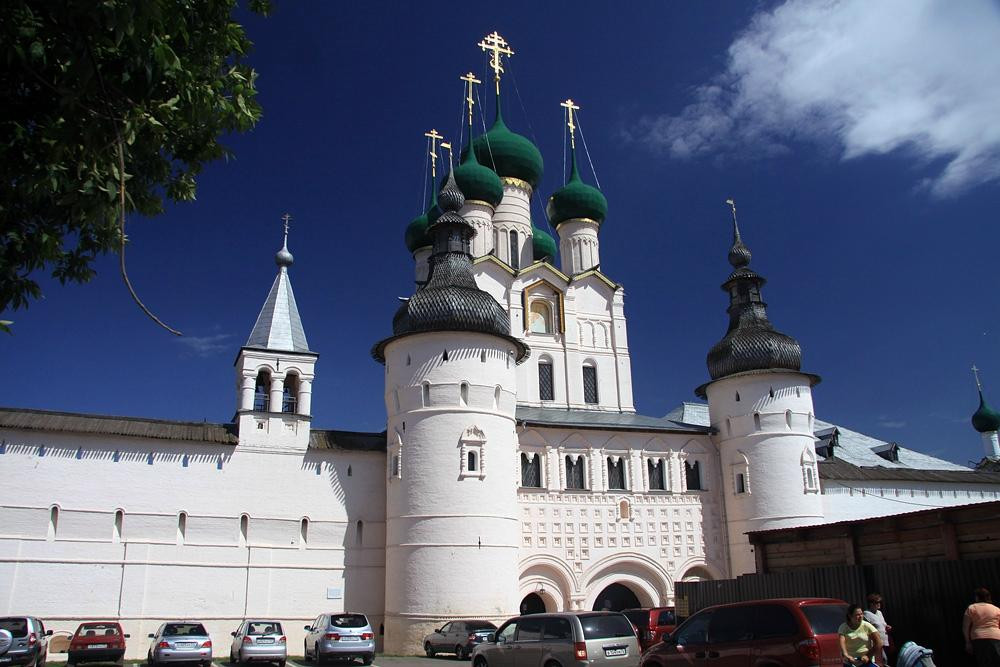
[514,473]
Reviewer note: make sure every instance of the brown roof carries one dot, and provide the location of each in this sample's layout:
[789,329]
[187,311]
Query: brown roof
[161,429]
[837,469]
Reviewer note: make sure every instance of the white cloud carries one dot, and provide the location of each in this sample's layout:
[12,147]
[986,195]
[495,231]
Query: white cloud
[204,346]
[863,77]
[886,422]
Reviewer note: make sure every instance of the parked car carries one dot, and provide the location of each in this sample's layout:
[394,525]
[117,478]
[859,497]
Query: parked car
[97,641]
[180,641]
[786,632]
[598,638]
[652,623]
[261,641]
[339,636]
[23,641]
[458,637]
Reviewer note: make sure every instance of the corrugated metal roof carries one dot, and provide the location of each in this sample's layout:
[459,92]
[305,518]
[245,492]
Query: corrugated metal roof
[595,419]
[136,427]
[837,469]
[852,447]
[278,325]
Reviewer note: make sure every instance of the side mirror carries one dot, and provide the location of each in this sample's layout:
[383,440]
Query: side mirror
[232,634]
[437,629]
[128,636]
[151,635]
[307,627]
[48,633]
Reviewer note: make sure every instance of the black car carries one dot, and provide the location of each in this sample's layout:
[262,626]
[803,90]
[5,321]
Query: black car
[458,637]
[23,641]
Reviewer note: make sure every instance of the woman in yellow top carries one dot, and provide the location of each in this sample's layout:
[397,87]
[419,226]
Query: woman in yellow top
[860,643]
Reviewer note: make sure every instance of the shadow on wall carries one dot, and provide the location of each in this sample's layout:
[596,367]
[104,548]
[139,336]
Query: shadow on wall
[219,455]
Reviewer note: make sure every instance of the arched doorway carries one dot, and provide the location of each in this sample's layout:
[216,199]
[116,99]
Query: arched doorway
[615,598]
[532,604]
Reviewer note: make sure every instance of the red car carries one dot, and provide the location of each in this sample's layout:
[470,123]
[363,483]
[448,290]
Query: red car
[794,632]
[652,623]
[97,641]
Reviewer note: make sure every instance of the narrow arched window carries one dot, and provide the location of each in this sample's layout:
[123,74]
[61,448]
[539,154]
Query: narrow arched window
[756,420]
[119,525]
[515,260]
[261,392]
[737,397]
[546,387]
[472,464]
[425,394]
[692,473]
[788,419]
[182,524]
[482,357]
[304,532]
[53,522]
[360,532]
[496,397]
[616,473]
[656,476]
[540,317]
[590,384]
[244,529]
[464,393]
[290,393]
[741,483]
[574,473]
[531,471]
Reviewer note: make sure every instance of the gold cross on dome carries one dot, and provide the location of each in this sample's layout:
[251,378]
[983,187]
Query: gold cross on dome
[499,46]
[434,136]
[470,80]
[975,371]
[447,146]
[570,107]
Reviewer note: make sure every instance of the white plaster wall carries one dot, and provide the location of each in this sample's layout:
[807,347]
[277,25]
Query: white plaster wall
[514,213]
[844,501]
[765,435]
[147,573]
[451,544]
[579,249]
[574,543]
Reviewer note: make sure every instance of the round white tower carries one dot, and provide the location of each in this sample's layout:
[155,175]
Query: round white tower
[760,405]
[452,531]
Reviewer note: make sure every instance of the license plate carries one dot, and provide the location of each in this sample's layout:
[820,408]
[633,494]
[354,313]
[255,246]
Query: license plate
[616,651]
[266,640]
[349,639]
[186,644]
[98,646]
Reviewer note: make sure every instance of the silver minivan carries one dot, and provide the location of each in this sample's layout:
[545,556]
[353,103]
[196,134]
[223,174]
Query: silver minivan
[578,639]
[338,637]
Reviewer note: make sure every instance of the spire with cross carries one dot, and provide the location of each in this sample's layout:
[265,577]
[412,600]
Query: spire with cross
[571,107]
[975,372]
[434,136]
[499,47]
[470,81]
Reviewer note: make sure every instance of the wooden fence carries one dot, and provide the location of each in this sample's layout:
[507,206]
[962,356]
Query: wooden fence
[923,601]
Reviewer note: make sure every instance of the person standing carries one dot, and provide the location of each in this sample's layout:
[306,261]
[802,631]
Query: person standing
[981,627]
[860,642]
[874,616]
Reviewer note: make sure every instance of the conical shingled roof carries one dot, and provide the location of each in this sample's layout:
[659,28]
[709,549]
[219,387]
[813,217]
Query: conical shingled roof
[278,325]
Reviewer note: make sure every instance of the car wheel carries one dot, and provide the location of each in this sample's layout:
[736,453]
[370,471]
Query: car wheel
[428,649]
[480,662]
[149,659]
[368,659]
[281,663]
[120,662]
[206,663]
[459,652]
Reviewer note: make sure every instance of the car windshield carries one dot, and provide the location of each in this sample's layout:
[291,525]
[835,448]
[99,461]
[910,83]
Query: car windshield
[182,629]
[606,625]
[475,626]
[17,627]
[264,628]
[94,629]
[349,621]
[825,619]
[639,617]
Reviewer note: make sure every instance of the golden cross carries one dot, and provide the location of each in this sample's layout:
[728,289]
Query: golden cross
[287,218]
[736,227]
[470,80]
[433,135]
[570,107]
[975,371]
[447,146]
[499,46]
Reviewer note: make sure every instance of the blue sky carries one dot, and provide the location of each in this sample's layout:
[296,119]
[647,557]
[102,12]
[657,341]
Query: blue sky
[859,141]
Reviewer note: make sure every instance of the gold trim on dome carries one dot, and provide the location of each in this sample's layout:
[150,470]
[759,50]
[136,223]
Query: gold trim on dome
[590,220]
[516,182]
[480,201]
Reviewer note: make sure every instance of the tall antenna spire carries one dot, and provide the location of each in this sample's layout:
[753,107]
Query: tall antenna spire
[570,107]
[470,81]
[434,136]
[446,145]
[739,254]
[975,372]
[499,47]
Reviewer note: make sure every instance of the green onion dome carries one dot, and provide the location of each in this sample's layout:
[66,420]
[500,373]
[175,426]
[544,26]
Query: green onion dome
[478,182]
[543,244]
[416,233]
[509,153]
[985,419]
[576,199]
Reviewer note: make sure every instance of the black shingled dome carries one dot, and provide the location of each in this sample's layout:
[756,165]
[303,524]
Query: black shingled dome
[751,343]
[451,300]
